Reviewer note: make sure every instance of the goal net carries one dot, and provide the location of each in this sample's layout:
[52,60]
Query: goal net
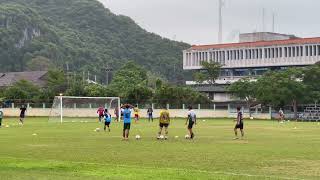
[84,109]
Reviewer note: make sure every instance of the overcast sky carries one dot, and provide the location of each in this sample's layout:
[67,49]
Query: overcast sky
[196,21]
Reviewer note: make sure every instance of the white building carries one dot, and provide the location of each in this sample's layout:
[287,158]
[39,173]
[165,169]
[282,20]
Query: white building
[255,54]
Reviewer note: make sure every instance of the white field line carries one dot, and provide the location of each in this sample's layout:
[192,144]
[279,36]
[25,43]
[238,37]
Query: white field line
[166,168]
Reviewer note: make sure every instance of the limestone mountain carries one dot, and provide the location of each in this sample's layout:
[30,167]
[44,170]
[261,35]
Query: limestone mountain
[82,34]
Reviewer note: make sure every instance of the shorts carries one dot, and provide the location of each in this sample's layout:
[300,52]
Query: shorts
[22,115]
[163,125]
[239,126]
[107,123]
[136,115]
[190,125]
[126,126]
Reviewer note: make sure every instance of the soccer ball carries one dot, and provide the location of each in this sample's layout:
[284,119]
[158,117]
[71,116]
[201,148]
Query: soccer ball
[97,130]
[187,136]
[161,137]
[138,137]
[204,120]
[176,137]
[7,126]
[34,134]
[251,118]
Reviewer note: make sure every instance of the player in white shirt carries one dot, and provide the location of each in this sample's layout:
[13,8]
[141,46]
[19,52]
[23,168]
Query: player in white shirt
[191,120]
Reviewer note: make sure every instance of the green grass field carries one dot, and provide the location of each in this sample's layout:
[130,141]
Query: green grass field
[74,151]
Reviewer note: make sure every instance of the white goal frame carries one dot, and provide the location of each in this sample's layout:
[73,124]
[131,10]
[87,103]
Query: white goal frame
[83,97]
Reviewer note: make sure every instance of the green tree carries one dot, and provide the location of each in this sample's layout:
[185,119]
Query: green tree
[139,95]
[281,88]
[23,90]
[127,78]
[245,89]
[56,83]
[39,63]
[311,80]
[209,73]
[176,96]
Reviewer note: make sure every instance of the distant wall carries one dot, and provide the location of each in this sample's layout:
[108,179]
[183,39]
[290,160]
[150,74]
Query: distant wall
[86,112]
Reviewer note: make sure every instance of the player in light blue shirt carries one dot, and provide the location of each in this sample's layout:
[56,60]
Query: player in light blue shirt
[126,120]
[107,120]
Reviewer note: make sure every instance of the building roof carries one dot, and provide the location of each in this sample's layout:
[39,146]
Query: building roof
[35,77]
[258,44]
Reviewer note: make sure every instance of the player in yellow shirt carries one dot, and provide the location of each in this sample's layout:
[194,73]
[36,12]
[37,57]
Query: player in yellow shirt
[164,121]
[136,113]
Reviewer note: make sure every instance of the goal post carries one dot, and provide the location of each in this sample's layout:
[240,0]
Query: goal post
[75,109]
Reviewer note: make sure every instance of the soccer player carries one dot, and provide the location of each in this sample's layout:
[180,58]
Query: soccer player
[1,116]
[239,124]
[191,120]
[136,113]
[126,121]
[164,121]
[100,112]
[150,114]
[23,110]
[107,120]
[281,115]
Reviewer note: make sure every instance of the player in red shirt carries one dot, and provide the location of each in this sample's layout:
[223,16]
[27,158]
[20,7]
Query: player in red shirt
[100,112]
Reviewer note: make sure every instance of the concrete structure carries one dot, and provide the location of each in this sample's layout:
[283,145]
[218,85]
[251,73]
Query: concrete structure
[254,55]
[264,36]
[92,112]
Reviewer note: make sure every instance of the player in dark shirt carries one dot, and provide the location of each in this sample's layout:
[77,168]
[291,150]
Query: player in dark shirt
[23,110]
[239,124]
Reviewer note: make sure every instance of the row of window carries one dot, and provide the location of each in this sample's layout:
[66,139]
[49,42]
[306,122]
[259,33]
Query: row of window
[260,53]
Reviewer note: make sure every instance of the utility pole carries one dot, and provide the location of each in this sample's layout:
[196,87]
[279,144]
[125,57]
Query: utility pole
[220,21]
[273,22]
[108,69]
[263,20]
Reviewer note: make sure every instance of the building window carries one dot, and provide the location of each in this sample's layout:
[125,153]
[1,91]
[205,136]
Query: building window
[318,46]
[307,50]
[277,53]
[310,51]
[315,50]
[265,53]
[280,52]
[285,52]
[260,53]
[289,52]
[293,51]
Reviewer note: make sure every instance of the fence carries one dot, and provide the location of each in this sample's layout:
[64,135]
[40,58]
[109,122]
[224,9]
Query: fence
[214,110]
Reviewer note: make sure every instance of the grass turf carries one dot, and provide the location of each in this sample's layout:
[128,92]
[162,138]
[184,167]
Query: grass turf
[74,151]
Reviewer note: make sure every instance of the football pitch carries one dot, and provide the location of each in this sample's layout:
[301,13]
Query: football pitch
[42,150]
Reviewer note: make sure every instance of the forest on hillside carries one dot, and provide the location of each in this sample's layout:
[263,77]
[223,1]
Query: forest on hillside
[81,36]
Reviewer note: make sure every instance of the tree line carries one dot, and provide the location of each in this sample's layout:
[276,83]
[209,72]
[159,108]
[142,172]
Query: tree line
[132,83]
[291,86]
